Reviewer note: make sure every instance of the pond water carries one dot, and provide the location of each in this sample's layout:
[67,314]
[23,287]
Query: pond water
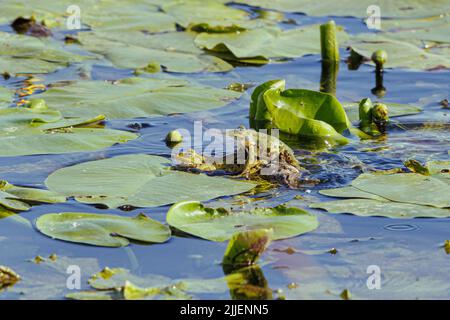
[408,251]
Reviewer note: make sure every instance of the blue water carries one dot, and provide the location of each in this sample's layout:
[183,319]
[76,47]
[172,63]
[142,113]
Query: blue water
[408,252]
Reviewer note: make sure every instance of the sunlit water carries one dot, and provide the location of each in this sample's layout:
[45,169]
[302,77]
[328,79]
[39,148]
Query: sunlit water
[408,251]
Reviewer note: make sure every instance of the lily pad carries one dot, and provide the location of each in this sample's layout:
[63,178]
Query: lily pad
[139,180]
[27,131]
[6,97]
[266,43]
[407,188]
[219,224]
[150,287]
[26,54]
[397,195]
[392,9]
[13,197]
[135,97]
[174,51]
[102,229]
[401,54]
[368,207]
[200,11]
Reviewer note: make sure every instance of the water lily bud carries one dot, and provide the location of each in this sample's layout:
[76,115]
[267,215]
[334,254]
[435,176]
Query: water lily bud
[174,137]
[379,57]
[380,112]
[38,104]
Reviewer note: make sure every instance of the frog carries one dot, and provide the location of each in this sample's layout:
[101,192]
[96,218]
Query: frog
[278,164]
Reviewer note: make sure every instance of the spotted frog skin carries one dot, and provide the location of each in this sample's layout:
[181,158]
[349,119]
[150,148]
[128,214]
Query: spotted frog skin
[266,157]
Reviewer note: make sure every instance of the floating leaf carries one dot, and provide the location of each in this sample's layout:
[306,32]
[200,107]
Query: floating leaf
[157,287]
[174,51]
[219,224]
[102,229]
[89,295]
[398,195]
[396,9]
[27,131]
[407,188]
[265,43]
[6,97]
[368,207]
[200,11]
[139,180]
[26,54]
[142,97]
[402,54]
[13,197]
[48,279]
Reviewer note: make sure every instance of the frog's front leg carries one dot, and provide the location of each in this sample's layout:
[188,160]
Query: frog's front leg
[251,161]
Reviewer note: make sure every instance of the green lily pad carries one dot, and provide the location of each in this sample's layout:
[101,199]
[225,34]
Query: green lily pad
[434,29]
[266,43]
[200,11]
[368,207]
[151,287]
[350,192]
[392,9]
[395,110]
[27,131]
[139,180]
[303,112]
[26,54]
[6,97]
[175,51]
[13,197]
[110,16]
[401,54]
[398,195]
[47,279]
[407,188]
[89,295]
[102,229]
[142,97]
[219,224]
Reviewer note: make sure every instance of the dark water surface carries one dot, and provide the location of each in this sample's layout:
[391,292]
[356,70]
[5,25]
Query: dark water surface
[408,252]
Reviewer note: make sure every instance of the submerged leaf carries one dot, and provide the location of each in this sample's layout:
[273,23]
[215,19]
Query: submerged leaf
[245,248]
[139,180]
[219,224]
[102,229]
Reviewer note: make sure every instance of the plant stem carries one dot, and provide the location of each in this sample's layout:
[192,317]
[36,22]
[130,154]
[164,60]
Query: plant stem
[328,42]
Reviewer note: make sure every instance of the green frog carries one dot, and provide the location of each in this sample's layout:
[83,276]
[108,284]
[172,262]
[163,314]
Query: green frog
[266,157]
